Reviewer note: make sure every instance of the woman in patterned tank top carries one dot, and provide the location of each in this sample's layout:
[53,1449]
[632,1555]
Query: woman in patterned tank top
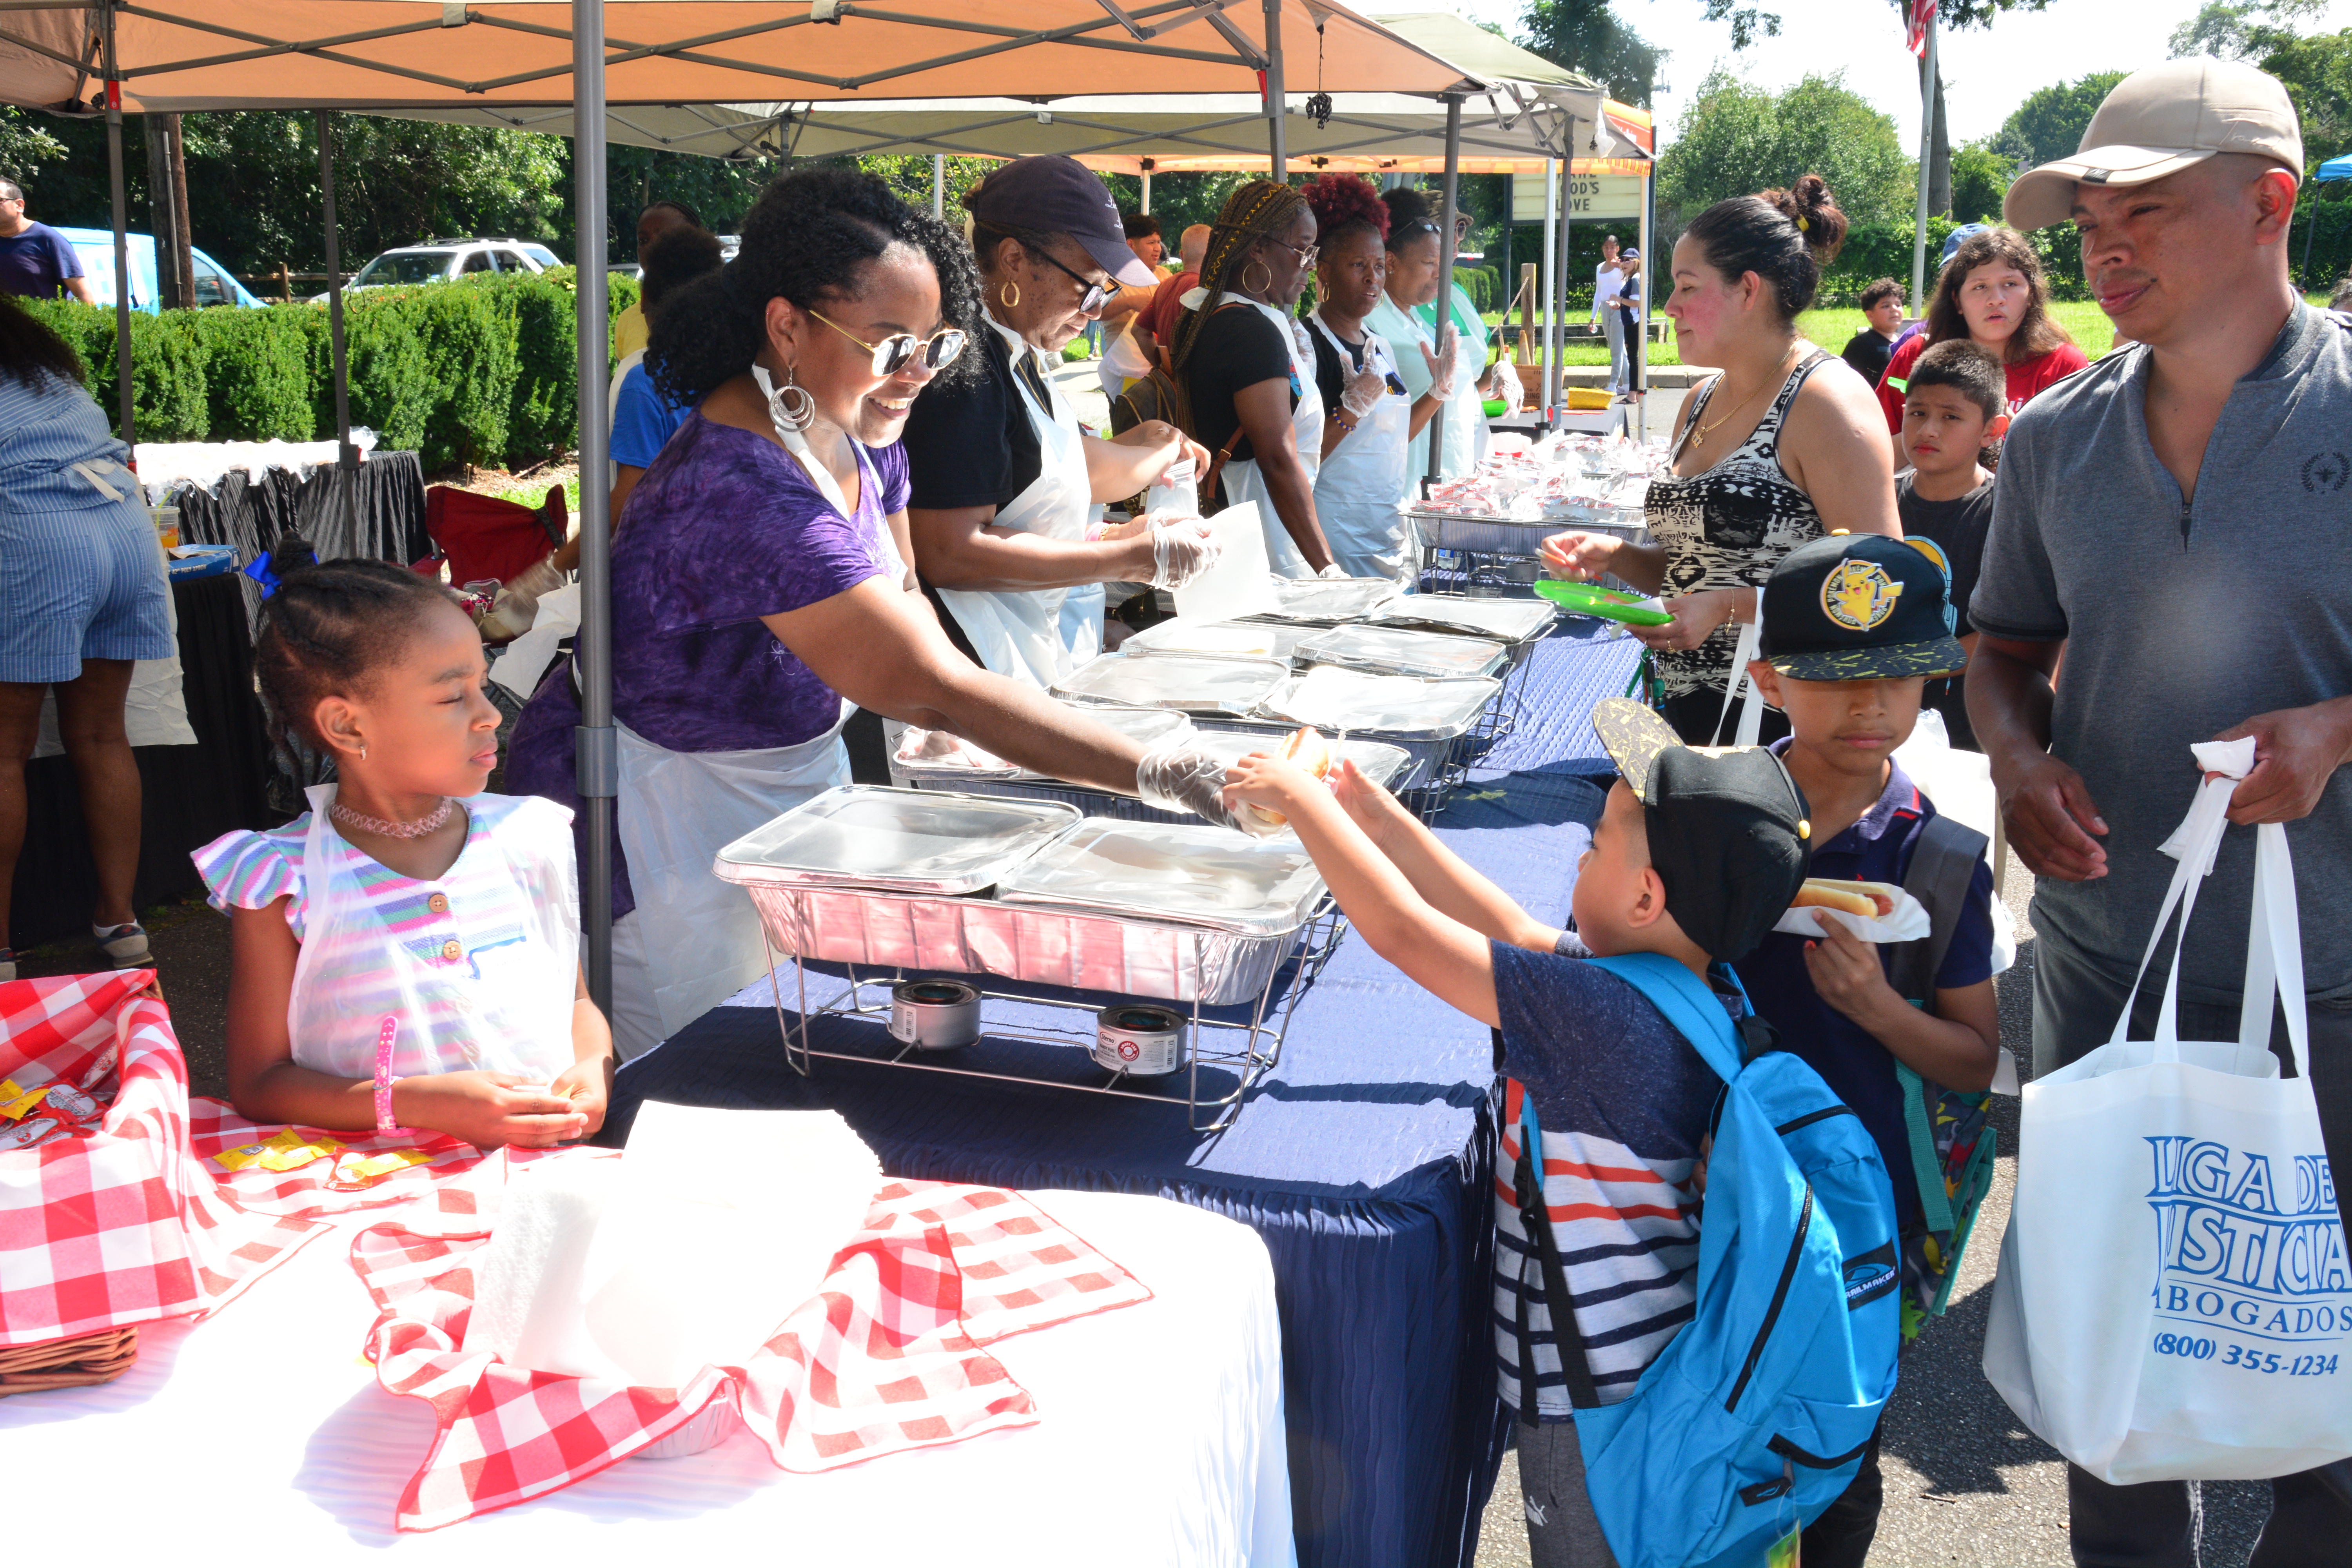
[1783,447]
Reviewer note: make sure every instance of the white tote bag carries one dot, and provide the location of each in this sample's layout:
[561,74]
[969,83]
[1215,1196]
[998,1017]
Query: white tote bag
[2174,1299]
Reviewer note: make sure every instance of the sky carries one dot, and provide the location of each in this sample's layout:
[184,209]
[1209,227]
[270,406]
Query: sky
[1986,73]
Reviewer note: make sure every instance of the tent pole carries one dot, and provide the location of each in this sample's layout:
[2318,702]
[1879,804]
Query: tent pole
[1549,340]
[1567,224]
[345,458]
[598,759]
[121,242]
[1649,276]
[1445,271]
[1274,100]
[1146,207]
[1927,150]
[938,185]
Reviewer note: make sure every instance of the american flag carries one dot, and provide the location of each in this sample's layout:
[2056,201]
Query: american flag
[1917,17]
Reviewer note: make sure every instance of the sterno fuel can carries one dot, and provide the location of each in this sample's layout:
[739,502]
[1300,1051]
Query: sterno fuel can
[934,1014]
[1139,1039]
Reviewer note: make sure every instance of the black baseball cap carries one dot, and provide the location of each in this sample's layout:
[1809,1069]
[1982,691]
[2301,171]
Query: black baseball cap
[1728,827]
[1061,195]
[1861,606]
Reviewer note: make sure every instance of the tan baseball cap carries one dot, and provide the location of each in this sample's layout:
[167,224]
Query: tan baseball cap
[2160,121]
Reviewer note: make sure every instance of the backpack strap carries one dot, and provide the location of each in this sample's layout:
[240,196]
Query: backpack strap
[1694,1011]
[1935,1204]
[1535,1223]
[1943,865]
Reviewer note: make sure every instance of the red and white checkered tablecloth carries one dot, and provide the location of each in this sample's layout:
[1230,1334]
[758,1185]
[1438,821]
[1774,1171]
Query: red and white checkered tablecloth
[106,1218]
[888,1358]
[457,1182]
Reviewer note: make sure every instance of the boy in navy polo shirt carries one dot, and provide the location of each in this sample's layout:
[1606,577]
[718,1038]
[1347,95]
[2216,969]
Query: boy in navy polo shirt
[1855,625]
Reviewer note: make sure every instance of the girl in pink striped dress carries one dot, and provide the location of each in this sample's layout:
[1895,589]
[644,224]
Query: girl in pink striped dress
[406,953]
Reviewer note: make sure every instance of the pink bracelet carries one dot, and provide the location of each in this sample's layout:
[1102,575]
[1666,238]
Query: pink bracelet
[384,1079]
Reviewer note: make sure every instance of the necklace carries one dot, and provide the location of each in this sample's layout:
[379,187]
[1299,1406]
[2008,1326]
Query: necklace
[1699,432]
[378,826]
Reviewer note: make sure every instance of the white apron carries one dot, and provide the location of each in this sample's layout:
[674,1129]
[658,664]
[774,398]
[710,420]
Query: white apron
[697,937]
[1242,479]
[1039,635]
[1362,484]
[500,1008]
[1404,330]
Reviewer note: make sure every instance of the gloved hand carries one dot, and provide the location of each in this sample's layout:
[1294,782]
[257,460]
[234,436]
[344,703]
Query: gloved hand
[1334,571]
[1504,383]
[1362,393]
[1179,774]
[1441,368]
[1182,551]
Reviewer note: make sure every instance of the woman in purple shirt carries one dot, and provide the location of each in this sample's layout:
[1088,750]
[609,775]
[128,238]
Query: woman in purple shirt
[760,588]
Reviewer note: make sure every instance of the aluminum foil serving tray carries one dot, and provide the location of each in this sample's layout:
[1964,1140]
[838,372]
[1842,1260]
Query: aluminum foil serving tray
[924,841]
[1398,708]
[1220,639]
[1328,601]
[1394,650]
[1198,874]
[1194,685]
[1503,620]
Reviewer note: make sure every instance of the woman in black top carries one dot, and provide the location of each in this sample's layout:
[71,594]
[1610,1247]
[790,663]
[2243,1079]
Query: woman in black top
[1247,373]
[1002,480]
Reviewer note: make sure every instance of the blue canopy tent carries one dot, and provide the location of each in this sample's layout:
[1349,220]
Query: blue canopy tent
[2334,169]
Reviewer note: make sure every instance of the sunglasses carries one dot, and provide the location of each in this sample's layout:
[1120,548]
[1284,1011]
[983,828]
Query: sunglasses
[1305,257]
[898,351]
[1096,295]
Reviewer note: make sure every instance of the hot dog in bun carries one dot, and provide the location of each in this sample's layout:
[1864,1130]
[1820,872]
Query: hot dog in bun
[1870,900]
[1305,748]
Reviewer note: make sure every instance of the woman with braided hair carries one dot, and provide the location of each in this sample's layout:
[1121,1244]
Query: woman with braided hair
[1248,373]
[1369,421]
[762,585]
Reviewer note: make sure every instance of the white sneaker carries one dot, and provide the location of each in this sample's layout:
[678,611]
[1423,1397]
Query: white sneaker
[7,964]
[125,945]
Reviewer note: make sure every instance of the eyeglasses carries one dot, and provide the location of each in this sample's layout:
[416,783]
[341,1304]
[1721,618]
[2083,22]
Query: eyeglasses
[1096,295]
[1305,257]
[895,353]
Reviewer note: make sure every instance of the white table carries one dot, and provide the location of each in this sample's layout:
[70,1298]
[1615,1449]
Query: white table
[262,1436]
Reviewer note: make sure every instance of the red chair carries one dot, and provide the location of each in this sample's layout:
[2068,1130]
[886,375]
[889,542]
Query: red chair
[484,536]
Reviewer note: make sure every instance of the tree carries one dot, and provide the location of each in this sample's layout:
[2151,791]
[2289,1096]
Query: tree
[24,146]
[2318,72]
[2241,29]
[1736,138]
[2050,123]
[1980,178]
[1586,35]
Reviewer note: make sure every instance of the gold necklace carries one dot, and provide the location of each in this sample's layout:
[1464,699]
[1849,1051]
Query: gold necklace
[1780,373]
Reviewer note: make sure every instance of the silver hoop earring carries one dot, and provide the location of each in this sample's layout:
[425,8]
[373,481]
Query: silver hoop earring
[790,405]
[364,754]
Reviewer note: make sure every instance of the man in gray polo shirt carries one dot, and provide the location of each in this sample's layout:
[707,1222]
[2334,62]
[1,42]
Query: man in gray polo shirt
[2177,519]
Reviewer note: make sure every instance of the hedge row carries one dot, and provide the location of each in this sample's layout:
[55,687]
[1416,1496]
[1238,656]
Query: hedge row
[482,370]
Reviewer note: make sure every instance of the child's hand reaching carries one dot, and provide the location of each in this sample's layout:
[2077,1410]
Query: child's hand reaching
[1269,784]
[489,1110]
[1374,809]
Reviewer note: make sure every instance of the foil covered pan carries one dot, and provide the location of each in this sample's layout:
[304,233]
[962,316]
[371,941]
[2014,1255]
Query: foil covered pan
[1192,684]
[1394,650]
[1504,620]
[1148,726]
[931,841]
[1389,706]
[1220,639]
[1391,767]
[1328,601]
[1077,949]
[1198,875]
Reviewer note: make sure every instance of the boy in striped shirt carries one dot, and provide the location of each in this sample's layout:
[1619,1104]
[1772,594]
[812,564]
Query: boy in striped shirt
[1695,856]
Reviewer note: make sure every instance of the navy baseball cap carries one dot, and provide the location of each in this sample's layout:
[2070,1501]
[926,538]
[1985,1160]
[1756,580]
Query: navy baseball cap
[1728,827]
[1861,606]
[1056,195]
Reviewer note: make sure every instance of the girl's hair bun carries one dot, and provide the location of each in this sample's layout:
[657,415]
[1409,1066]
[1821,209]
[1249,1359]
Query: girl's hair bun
[1809,204]
[291,553]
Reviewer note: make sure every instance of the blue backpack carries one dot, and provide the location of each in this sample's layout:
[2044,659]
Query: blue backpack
[1757,1413]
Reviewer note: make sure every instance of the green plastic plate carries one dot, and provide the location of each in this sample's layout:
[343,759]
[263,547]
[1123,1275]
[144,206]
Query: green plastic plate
[1591,599]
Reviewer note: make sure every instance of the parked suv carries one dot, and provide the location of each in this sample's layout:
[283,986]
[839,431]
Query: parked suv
[438,261]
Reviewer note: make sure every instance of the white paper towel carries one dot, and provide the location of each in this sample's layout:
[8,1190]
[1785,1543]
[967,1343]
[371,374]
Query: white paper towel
[687,1253]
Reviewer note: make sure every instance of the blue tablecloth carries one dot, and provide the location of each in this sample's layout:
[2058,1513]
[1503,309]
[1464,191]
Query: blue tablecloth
[1364,1160]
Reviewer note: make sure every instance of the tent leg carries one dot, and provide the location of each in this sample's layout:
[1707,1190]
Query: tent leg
[121,245]
[1649,276]
[1446,272]
[1146,207]
[346,459]
[1274,100]
[1549,340]
[938,185]
[1559,270]
[598,757]
[1927,149]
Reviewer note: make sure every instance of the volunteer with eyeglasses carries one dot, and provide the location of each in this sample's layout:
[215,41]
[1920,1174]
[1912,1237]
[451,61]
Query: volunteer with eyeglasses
[1003,481]
[761,587]
[1247,369]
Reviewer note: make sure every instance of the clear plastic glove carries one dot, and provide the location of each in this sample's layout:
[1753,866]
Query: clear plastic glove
[1179,774]
[1504,383]
[1441,364]
[1182,551]
[1362,393]
[1334,571]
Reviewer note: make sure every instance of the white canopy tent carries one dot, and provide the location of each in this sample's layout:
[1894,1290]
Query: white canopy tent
[110,57]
